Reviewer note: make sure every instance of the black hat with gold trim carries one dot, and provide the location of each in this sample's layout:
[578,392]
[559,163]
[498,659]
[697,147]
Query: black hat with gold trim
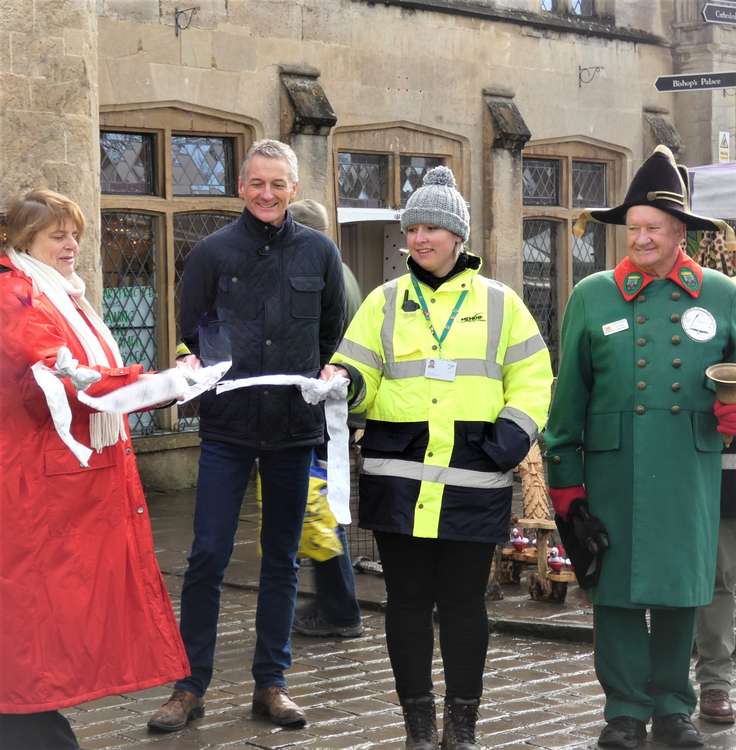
[661,183]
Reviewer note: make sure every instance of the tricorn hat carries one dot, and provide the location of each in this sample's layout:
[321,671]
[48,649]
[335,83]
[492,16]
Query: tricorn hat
[659,182]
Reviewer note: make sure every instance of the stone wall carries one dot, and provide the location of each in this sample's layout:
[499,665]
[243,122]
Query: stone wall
[49,110]
[381,63]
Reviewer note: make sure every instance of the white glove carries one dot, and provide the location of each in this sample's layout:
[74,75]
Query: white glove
[66,366]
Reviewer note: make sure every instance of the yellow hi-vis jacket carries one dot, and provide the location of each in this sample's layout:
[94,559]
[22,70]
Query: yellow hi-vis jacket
[428,469]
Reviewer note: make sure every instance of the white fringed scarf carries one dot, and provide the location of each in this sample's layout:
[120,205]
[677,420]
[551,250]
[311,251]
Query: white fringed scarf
[104,429]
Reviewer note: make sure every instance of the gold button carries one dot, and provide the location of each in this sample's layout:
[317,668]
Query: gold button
[641,385]
[675,409]
[677,362]
[675,318]
[556,460]
[641,363]
[640,409]
[641,341]
[675,386]
[675,295]
[676,340]
[641,318]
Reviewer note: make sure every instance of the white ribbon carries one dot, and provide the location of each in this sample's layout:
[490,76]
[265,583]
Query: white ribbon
[61,413]
[334,392]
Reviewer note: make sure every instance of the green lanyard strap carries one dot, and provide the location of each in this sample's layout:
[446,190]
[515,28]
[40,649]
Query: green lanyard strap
[425,311]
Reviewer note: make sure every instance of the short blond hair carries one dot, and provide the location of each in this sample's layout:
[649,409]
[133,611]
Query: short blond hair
[38,209]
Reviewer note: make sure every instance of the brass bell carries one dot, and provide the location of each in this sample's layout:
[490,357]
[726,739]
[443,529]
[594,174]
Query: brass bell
[724,376]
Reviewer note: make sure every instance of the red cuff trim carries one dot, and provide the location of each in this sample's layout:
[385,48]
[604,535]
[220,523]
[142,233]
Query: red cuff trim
[563,498]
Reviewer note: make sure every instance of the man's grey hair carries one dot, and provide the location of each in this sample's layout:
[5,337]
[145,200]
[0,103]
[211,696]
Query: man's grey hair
[272,149]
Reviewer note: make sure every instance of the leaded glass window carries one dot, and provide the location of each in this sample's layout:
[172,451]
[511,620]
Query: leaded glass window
[413,169]
[588,184]
[582,7]
[540,279]
[541,182]
[126,163]
[589,252]
[202,165]
[189,228]
[547,5]
[129,292]
[362,179]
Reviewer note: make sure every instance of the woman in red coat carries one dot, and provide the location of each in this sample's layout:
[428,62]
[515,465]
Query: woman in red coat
[83,608]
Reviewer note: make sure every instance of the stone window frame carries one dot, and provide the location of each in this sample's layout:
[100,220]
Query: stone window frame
[565,151]
[402,138]
[162,119]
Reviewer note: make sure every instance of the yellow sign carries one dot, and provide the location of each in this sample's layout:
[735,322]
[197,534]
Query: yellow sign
[724,146]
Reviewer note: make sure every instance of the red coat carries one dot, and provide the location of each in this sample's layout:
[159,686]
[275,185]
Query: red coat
[83,608]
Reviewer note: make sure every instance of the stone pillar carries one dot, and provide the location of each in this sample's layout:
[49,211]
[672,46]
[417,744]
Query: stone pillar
[504,135]
[306,120]
[699,115]
[49,123]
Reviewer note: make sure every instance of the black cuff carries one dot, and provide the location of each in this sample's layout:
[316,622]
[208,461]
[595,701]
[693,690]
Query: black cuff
[508,444]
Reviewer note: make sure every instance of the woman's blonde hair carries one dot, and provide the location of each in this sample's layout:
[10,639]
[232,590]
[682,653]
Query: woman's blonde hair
[27,215]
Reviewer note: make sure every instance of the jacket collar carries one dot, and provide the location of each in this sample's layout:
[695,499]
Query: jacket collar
[631,280]
[268,232]
[466,262]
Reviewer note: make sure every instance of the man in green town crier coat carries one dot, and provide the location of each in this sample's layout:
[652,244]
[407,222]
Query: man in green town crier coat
[633,439]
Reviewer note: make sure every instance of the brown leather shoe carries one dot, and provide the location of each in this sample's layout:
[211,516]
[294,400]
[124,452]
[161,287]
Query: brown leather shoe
[274,703]
[715,706]
[181,708]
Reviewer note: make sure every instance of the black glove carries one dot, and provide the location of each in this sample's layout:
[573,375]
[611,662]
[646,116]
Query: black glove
[588,529]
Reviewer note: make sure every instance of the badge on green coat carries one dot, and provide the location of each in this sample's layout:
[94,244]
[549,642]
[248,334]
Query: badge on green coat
[632,283]
[689,279]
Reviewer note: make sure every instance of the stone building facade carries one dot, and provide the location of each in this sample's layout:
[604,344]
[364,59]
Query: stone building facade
[539,106]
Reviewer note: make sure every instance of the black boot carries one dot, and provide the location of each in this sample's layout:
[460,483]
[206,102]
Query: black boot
[461,715]
[421,723]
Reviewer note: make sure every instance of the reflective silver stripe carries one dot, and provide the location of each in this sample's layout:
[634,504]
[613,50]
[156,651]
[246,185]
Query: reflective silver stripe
[728,461]
[389,319]
[495,317]
[360,353]
[483,368]
[415,369]
[412,369]
[524,349]
[395,467]
[522,419]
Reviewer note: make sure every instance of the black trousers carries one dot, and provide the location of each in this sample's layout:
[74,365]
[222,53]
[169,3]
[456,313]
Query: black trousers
[48,730]
[420,573]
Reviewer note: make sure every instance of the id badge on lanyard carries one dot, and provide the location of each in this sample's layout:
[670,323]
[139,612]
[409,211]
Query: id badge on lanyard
[439,369]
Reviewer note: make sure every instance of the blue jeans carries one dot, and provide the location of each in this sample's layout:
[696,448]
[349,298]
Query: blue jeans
[335,586]
[224,469]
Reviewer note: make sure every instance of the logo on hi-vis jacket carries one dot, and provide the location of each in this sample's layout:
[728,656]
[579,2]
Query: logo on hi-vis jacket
[632,283]
[478,317]
[689,279]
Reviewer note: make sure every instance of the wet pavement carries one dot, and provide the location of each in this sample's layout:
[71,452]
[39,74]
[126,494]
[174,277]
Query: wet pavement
[540,690]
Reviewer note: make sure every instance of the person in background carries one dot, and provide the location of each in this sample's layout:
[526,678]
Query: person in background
[335,610]
[633,451]
[454,379]
[714,631]
[266,293]
[84,611]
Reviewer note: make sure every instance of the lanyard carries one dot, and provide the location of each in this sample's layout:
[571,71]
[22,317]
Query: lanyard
[425,311]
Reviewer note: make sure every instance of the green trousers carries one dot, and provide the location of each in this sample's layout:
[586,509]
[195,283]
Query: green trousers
[644,670]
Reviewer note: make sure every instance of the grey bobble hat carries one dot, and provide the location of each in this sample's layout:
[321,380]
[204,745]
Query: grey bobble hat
[438,203]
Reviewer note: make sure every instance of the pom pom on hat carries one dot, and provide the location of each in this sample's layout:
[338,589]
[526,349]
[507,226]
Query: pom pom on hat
[441,175]
[438,203]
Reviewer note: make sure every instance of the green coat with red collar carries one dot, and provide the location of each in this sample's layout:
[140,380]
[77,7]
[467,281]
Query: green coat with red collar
[632,420]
